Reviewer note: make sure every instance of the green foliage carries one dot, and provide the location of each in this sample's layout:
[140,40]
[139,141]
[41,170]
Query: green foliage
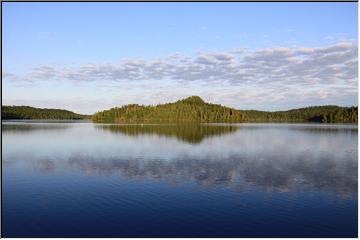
[195,110]
[25,112]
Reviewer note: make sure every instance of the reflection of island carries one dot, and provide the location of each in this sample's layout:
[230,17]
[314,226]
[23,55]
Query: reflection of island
[192,133]
[20,127]
[272,173]
[326,129]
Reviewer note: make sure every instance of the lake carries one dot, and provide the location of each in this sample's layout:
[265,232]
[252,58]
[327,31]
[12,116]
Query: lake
[81,179]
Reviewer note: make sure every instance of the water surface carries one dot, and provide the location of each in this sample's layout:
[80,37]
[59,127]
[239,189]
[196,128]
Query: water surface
[243,180]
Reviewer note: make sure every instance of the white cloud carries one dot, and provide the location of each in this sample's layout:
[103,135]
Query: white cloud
[264,75]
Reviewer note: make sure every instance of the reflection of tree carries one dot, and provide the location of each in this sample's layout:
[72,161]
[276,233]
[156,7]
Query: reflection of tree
[191,133]
[21,128]
[270,173]
[304,171]
[324,129]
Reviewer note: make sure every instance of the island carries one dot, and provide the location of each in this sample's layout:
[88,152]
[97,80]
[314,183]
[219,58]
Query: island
[195,110]
[189,110]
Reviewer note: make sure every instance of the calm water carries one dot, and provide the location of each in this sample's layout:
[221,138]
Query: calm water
[245,180]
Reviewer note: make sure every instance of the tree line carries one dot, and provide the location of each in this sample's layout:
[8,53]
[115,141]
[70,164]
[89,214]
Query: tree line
[26,112]
[194,109]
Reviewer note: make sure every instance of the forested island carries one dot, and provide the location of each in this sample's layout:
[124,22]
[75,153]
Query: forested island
[31,113]
[195,110]
[189,110]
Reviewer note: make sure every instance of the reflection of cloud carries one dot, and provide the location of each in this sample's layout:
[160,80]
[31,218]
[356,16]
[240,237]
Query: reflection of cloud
[270,173]
[45,166]
[269,157]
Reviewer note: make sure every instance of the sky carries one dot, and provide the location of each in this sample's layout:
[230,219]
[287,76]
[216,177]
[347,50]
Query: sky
[87,57]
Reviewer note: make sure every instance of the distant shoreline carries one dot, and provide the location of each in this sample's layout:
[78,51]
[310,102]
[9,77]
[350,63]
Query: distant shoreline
[189,110]
[46,120]
[5,121]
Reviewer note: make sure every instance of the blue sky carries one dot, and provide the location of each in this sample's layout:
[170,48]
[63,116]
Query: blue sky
[91,56]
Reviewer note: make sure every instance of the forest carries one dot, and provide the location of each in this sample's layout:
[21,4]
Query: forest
[194,110]
[26,112]
[189,110]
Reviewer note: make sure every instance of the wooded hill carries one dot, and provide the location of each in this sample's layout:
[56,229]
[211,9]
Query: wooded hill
[194,109]
[26,112]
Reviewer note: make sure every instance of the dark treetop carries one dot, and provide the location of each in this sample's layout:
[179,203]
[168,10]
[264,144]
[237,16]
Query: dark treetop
[194,109]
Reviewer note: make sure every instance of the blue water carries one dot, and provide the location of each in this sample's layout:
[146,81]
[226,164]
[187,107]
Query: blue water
[245,180]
